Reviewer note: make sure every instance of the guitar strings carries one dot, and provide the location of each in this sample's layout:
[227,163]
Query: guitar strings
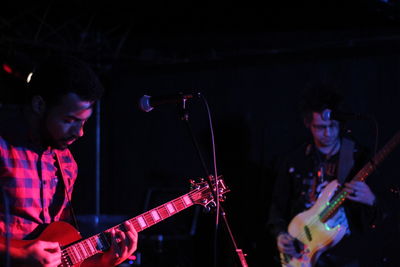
[74,251]
[361,175]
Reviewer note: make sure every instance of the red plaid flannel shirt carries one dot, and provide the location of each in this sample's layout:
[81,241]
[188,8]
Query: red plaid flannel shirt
[29,181]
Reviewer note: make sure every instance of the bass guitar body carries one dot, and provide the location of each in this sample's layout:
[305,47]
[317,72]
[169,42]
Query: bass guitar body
[324,224]
[317,236]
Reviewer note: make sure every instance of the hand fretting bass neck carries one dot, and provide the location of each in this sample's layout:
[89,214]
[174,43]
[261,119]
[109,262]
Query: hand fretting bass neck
[311,227]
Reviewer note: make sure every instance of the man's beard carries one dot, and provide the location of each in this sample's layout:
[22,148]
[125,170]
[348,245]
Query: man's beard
[61,144]
[49,141]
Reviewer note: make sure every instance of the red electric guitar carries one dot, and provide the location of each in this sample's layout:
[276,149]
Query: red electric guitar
[75,250]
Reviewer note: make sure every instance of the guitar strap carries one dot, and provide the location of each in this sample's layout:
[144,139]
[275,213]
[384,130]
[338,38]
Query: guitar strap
[65,190]
[346,159]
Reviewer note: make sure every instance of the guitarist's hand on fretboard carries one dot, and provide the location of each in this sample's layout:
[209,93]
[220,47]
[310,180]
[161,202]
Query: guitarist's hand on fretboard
[289,246]
[123,242]
[359,192]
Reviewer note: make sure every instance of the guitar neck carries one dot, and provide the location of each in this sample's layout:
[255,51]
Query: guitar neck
[362,175]
[378,158]
[84,249]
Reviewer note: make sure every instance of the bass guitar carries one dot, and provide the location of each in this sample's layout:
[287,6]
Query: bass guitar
[314,227]
[75,249]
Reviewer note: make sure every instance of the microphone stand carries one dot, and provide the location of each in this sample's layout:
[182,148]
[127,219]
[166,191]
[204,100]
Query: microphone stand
[184,113]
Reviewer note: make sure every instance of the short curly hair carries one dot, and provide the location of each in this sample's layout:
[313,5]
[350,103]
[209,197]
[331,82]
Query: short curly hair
[318,97]
[59,75]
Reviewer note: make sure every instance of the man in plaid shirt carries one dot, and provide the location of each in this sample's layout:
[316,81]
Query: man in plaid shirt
[37,169]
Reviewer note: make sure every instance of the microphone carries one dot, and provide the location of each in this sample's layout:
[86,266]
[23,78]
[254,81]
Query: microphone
[328,114]
[148,103]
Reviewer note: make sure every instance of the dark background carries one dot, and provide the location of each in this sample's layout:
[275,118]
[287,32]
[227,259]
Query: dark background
[250,62]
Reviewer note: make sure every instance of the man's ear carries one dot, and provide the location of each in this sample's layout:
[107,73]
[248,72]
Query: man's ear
[38,105]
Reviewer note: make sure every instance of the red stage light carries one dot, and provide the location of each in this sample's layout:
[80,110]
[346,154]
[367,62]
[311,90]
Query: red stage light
[7,68]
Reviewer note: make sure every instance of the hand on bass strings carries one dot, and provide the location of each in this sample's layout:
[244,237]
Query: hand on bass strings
[288,245]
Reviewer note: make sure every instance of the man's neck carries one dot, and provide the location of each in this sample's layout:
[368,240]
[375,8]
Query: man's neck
[34,131]
[330,150]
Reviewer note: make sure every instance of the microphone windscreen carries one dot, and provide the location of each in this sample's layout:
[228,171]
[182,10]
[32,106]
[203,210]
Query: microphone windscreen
[144,103]
[326,114]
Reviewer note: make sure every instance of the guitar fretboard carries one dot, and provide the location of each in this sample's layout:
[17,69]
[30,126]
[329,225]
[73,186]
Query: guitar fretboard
[339,198]
[84,249]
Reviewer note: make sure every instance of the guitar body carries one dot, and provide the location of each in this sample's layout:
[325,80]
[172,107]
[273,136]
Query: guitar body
[60,232]
[316,235]
[75,249]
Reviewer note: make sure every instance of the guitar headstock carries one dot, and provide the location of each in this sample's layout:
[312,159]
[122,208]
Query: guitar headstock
[202,192]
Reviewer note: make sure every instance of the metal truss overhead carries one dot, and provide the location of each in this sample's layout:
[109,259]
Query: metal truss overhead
[40,29]
[160,33]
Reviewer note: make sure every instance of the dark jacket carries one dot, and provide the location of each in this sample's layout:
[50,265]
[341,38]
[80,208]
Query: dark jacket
[296,173]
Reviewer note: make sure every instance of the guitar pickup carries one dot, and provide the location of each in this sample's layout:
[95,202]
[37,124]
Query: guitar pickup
[308,233]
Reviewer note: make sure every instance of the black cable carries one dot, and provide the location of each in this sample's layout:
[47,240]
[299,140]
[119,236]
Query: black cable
[213,183]
[195,143]
[184,117]
[214,158]
[216,195]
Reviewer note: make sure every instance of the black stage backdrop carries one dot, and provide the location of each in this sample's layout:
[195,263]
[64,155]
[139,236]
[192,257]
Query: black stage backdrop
[148,158]
[251,77]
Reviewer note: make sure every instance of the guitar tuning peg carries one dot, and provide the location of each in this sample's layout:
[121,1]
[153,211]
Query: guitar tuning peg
[192,184]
